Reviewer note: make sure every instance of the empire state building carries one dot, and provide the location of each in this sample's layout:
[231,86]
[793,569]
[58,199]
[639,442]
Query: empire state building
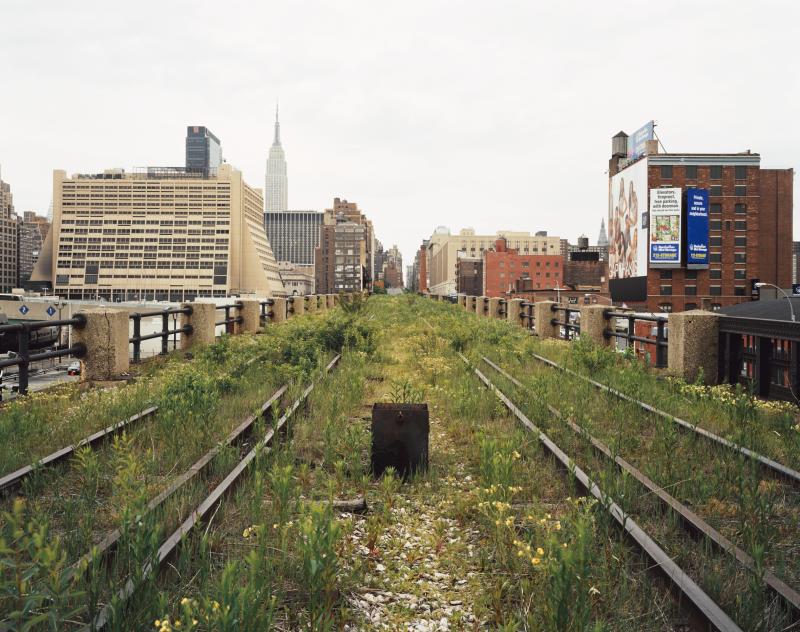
[276,189]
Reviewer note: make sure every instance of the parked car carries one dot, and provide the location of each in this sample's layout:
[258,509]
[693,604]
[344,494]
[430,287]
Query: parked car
[74,368]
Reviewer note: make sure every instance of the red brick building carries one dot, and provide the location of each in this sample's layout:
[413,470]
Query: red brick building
[503,267]
[750,231]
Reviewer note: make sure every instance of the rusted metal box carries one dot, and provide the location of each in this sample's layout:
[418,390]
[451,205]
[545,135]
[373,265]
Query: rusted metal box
[400,438]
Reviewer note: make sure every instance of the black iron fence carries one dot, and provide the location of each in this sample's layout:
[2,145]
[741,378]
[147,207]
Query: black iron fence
[164,333]
[762,354]
[230,321]
[26,338]
[570,325]
[267,312]
[527,315]
[657,332]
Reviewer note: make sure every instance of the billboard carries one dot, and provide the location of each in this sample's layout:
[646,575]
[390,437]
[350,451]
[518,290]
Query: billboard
[665,227]
[696,228]
[628,223]
[637,140]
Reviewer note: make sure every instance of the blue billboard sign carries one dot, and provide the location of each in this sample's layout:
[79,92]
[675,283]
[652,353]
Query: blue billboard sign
[696,228]
[637,141]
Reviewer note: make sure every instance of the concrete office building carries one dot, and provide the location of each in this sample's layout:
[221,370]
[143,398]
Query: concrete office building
[203,150]
[159,233]
[443,250]
[276,183]
[32,232]
[8,240]
[298,280]
[345,260]
[748,236]
[294,235]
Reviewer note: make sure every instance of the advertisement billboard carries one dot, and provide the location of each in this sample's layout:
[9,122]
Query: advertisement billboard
[628,222]
[637,140]
[696,228]
[665,227]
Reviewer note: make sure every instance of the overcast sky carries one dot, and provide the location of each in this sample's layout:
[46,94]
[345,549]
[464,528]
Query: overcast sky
[495,115]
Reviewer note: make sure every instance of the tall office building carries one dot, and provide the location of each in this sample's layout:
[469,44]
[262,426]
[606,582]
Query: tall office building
[294,235]
[203,151]
[31,235]
[159,233]
[344,260]
[8,240]
[276,185]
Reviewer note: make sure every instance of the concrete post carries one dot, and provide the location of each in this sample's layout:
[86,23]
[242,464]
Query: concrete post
[543,315]
[298,306]
[494,308]
[330,300]
[251,316]
[278,310]
[513,310]
[594,325]
[462,300]
[202,320]
[693,345]
[311,304]
[106,338]
[322,304]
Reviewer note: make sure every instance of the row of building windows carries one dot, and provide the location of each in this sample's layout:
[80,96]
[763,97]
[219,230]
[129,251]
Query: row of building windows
[713,290]
[715,172]
[526,264]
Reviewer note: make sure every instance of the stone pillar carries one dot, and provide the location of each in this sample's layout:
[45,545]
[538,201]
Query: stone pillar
[311,304]
[494,307]
[478,305]
[330,301]
[105,336]
[513,311]
[251,316]
[322,304]
[298,306]
[278,310]
[594,325]
[462,300]
[202,320]
[693,345]
[543,315]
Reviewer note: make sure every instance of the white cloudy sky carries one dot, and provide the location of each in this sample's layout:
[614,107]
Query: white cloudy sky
[496,115]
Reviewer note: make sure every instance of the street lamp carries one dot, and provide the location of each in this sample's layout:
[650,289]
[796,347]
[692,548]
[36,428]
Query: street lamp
[791,307]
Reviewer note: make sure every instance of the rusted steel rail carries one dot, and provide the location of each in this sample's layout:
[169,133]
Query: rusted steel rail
[770,465]
[702,604]
[689,519]
[170,545]
[14,480]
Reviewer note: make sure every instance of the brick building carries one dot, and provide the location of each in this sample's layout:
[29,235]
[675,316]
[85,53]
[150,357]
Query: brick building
[503,266]
[749,229]
[469,276]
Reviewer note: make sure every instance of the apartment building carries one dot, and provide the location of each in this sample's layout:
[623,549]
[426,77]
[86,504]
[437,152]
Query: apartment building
[158,234]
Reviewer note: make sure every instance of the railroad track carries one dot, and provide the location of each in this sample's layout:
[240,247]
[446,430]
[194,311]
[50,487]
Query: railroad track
[207,505]
[770,466]
[690,520]
[702,605]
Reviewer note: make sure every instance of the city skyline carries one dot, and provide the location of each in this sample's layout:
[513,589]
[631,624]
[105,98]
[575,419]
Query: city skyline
[407,130]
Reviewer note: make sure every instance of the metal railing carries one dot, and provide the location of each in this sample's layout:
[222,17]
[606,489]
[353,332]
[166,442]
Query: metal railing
[527,315]
[137,338]
[266,312]
[229,321]
[502,309]
[761,354]
[571,329]
[659,340]
[24,357]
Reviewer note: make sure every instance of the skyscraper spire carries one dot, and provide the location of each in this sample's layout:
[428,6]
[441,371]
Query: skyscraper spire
[602,239]
[277,139]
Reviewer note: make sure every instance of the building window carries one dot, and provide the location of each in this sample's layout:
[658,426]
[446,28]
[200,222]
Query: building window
[665,307]
[691,172]
[740,172]
[715,257]
[715,241]
[666,274]
[715,224]
[715,290]
[740,241]
[691,290]
[740,257]
[740,189]
[741,225]
[666,172]
[691,306]
[739,290]
[716,172]
[715,209]
[691,274]
[715,274]
[741,209]
[666,290]
[740,273]
[715,189]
